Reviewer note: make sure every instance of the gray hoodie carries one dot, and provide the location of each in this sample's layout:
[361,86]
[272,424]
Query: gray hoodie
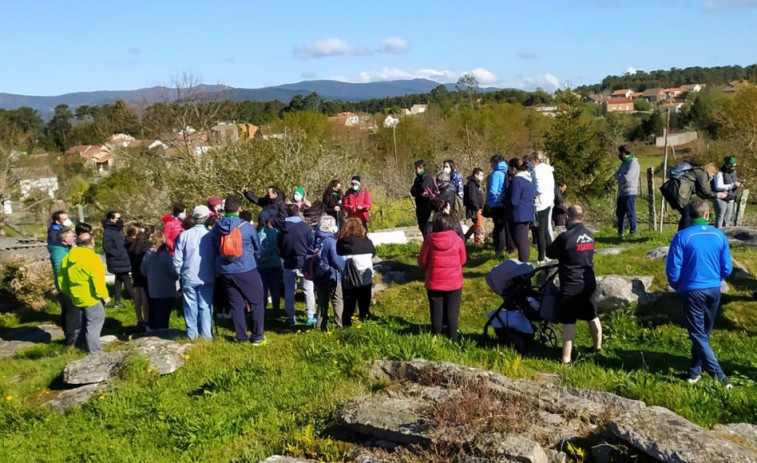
[627,176]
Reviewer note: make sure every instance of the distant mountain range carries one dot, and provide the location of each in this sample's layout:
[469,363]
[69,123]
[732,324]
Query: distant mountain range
[327,89]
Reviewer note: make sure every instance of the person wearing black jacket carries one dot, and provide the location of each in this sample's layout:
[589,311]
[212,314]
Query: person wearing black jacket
[473,199]
[116,255]
[574,251]
[270,204]
[332,200]
[422,185]
[560,212]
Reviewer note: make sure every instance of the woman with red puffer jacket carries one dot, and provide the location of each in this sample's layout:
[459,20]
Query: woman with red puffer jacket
[443,257]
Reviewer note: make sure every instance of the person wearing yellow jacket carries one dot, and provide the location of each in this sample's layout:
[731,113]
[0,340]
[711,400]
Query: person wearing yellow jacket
[82,278]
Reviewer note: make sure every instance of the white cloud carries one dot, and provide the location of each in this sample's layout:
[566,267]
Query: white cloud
[630,70]
[526,55]
[723,4]
[485,77]
[328,47]
[379,75]
[394,45]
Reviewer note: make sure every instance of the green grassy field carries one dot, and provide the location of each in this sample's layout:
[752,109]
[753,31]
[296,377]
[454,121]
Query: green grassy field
[234,402]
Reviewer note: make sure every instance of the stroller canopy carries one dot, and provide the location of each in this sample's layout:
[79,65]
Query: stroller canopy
[501,275]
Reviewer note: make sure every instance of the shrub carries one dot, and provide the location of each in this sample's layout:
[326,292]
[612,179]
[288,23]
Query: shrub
[24,283]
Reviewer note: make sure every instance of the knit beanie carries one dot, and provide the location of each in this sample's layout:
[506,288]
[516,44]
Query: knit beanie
[300,190]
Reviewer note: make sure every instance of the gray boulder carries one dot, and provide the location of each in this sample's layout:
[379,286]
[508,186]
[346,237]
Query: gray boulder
[616,291]
[165,356]
[742,432]
[72,397]
[20,338]
[609,251]
[742,236]
[386,418]
[511,447]
[284,459]
[665,436]
[659,253]
[94,368]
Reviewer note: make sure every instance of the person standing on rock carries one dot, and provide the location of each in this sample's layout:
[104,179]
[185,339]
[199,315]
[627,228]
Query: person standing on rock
[574,251]
[117,256]
[443,257]
[195,262]
[70,315]
[82,279]
[627,177]
[698,261]
[423,189]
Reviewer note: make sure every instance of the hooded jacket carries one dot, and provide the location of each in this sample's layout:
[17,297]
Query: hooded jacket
[443,257]
[157,267]
[327,242]
[295,241]
[361,250]
[627,176]
[544,186]
[269,249]
[250,245]
[116,254]
[171,229]
[362,199]
[82,277]
[194,259]
[497,188]
[520,199]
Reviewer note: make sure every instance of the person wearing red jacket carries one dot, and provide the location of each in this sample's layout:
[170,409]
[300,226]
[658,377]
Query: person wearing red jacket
[357,201]
[172,224]
[443,257]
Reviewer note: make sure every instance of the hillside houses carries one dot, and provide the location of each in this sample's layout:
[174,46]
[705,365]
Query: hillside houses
[621,100]
[35,178]
[618,105]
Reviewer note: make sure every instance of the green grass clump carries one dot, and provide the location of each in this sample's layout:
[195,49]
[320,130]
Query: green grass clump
[233,402]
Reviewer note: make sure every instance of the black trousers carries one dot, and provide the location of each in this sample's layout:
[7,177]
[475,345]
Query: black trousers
[422,214]
[685,217]
[360,297]
[498,234]
[125,280]
[160,312]
[520,237]
[543,238]
[70,319]
[445,311]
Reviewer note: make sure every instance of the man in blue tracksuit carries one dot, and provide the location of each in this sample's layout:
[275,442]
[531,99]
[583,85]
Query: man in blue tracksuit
[495,194]
[240,279]
[698,261]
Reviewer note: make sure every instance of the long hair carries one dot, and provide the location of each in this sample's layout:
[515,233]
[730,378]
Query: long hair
[138,246]
[158,240]
[352,226]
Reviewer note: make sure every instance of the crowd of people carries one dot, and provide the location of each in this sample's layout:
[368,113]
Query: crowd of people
[218,259]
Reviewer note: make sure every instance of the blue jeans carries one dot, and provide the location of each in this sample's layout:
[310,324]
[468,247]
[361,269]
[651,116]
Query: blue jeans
[626,207]
[700,307]
[197,301]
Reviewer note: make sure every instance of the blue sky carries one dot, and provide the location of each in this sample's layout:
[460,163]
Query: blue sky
[53,47]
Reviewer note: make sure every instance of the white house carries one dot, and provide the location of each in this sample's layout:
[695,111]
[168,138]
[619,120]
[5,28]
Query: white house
[35,178]
[418,109]
[391,121]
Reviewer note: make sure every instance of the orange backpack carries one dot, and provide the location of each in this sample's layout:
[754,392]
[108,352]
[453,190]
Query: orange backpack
[231,244]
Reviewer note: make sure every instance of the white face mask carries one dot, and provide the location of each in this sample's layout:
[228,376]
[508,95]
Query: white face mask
[182,216]
[297,197]
[447,170]
[334,229]
[67,223]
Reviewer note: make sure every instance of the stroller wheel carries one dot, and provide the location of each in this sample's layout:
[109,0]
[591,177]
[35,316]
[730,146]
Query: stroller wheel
[549,336]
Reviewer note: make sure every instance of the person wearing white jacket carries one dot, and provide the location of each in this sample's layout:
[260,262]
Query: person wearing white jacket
[544,199]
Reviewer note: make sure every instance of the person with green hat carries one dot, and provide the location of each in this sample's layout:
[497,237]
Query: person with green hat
[726,181]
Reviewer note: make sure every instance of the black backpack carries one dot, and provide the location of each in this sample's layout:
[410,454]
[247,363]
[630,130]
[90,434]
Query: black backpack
[351,277]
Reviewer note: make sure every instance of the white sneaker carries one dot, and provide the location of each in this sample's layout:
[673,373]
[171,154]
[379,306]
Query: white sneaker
[694,379]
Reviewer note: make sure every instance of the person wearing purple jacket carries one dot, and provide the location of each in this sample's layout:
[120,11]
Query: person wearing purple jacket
[240,279]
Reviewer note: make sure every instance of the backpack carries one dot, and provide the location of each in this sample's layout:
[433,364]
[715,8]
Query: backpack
[231,244]
[679,170]
[316,268]
[671,192]
[457,209]
[351,278]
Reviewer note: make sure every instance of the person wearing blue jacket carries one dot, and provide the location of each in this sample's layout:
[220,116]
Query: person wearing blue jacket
[295,241]
[269,266]
[520,210]
[495,195]
[240,279]
[698,261]
[157,267]
[329,287]
[195,262]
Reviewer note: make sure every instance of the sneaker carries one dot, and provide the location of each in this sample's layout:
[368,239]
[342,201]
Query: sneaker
[260,342]
[726,383]
[311,320]
[693,379]
[118,305]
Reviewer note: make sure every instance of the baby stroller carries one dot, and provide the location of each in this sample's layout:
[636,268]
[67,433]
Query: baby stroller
[527,310]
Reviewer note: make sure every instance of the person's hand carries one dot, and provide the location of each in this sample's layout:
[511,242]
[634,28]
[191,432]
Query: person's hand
[722,194]
[739,184]
[337,209]
[106,300]
[245,189]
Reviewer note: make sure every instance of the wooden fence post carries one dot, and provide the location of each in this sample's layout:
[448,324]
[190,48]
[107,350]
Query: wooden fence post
[651,199]
[742,208]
